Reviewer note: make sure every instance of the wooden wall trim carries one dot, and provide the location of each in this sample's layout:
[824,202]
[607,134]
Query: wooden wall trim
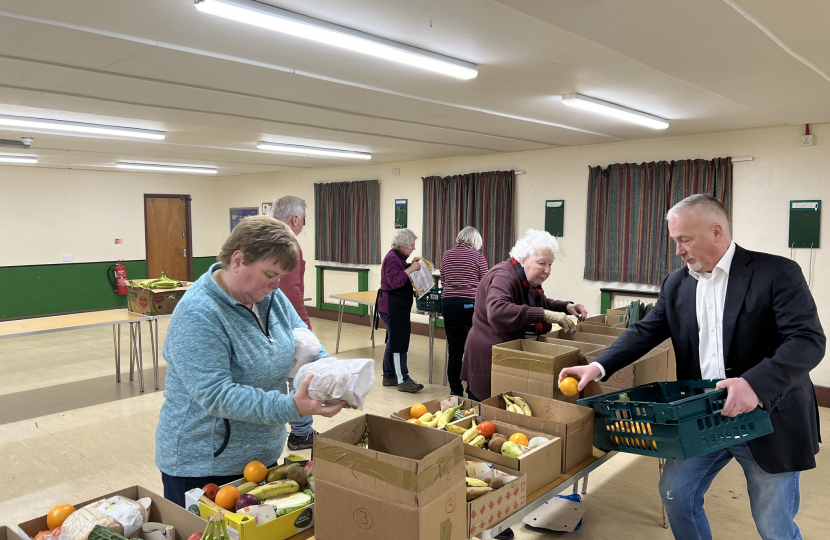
[822,395]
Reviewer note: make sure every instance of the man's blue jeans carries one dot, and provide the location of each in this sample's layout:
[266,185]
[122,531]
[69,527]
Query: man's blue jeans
[302,427]
[774,498]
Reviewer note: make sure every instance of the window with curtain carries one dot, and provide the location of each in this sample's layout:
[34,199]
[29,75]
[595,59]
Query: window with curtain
[347,222]
[627,238]
[484,200]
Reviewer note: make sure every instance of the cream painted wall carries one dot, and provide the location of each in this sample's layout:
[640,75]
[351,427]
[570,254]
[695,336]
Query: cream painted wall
[782,170]
[48,213]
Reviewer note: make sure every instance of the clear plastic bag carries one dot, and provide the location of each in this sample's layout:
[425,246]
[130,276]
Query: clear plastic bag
[306,348]
[422,278]
[337,379]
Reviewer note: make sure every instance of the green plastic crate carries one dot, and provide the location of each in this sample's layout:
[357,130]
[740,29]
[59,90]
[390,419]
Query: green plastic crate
[431,301]
[671,420]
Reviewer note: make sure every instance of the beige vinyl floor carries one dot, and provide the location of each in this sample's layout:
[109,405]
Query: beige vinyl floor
[69,433]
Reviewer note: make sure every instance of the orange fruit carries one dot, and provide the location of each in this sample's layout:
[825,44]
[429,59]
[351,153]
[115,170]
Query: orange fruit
[415,421]
[57,514]
[569,386]
[226,497]
[255,472]
[519,438]
[418,410]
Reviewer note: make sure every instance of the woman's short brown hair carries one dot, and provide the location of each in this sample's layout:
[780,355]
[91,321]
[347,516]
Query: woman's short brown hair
[261,238]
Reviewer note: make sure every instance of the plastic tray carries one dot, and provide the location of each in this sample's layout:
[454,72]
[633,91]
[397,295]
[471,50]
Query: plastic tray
[671,420]
[430,301]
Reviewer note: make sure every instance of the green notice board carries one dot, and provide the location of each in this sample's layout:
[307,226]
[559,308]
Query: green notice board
[400,213]
[555,217]
[805,224]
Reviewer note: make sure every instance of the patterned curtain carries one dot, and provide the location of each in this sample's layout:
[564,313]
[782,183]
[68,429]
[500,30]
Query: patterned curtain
[484,200]
[627,235]
[347,221]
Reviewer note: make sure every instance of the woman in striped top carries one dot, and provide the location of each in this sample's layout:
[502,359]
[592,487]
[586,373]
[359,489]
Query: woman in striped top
[462,268]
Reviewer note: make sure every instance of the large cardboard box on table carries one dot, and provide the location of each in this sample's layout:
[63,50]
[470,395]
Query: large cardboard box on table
[570,422]
[162,511]
[489,510]
[408,484]
[247,527]
[434,405]
[154,301]
[609,319]
[542,464]
[585,337]
[531,367]
[657,365]
[584,348]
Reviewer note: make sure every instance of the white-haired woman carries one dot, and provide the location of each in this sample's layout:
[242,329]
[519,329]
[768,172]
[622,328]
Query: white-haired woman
[510,304]
[462,268]
[394,305]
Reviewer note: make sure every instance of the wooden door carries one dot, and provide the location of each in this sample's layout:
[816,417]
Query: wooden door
[168,236]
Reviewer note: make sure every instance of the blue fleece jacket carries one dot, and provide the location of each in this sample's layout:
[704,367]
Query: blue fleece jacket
[224,403]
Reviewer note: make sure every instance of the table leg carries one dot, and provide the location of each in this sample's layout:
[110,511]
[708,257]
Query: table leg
[132,350]
[431,342]
[339,325]
[585,485]
[154,349]
[156,358]
[116,335]
[660,464]
[372,323]
[140,361]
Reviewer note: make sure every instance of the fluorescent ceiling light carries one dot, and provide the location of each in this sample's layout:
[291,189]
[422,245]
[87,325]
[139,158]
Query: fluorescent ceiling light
[297,149]
[288,22]
[17,158]
[617,111]
[165,167]
[78,127]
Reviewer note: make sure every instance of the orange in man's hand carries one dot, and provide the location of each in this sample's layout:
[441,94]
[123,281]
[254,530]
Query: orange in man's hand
[569,386]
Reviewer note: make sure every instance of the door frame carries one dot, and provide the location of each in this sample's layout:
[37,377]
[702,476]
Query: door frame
[188,223]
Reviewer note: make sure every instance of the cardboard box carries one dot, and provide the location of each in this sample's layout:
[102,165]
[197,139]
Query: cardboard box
[8,534]
[542,464]
[657,365]
[623,378]
[531,367]
[584,347]
[588,337]
[571,423]
[162,511]
[609,319]
[601,329]
[246,527]
[489,510]
[434,406]
[595,389]
[408,484]
[154,301]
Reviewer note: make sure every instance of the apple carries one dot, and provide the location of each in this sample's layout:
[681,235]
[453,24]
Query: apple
[246,500]
[195,536]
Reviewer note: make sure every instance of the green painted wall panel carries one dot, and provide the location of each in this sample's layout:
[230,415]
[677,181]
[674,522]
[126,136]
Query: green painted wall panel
[29,291]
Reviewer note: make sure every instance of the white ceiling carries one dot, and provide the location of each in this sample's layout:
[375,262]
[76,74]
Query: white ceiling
[217,87]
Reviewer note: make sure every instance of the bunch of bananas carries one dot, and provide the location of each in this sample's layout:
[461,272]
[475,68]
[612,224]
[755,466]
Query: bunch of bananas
[516,405]
[163,282]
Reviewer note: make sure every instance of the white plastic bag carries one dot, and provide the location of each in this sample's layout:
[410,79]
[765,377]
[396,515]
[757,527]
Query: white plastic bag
[339,379]
[306,348]
[422,278]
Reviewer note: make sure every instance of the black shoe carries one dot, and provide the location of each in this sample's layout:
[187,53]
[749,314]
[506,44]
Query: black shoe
[390,382]
[295,442]
[410,386]
[506,534]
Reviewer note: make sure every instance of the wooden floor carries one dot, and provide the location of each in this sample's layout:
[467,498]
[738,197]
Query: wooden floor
[69,433]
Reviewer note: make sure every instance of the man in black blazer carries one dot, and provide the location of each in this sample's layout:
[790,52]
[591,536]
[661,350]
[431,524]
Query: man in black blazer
[747,318]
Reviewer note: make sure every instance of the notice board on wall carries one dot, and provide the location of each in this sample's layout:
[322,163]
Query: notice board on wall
[238,214]
[805,224]
[555,217]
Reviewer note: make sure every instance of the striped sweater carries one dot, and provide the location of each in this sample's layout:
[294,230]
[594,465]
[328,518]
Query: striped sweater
[462,268]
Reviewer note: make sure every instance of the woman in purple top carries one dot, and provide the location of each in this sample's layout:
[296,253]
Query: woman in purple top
[394,305]
[510,304]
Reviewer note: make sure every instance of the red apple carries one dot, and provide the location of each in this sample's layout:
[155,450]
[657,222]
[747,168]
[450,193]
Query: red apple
[195,536]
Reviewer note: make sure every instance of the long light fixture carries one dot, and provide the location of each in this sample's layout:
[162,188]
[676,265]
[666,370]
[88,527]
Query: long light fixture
[288,22]
[17,158]
[165,167]
[312,151]
[78,127]
[612,109]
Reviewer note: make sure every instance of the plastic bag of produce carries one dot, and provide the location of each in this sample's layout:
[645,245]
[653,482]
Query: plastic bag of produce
[306,348]
[118,514]
[422,279]
[339,379]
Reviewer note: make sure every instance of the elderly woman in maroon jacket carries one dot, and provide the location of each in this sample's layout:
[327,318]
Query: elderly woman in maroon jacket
[394,305]
[510,304]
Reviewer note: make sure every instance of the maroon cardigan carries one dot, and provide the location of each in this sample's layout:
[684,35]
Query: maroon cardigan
[501,314]
[293,287]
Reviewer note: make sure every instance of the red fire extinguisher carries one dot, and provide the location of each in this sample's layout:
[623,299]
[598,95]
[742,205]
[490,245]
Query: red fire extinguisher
[120,272]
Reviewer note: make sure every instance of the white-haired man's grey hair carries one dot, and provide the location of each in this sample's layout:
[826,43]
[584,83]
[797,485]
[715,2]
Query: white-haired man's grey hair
[287,207]
[403,238]
[469,235]
[707,204]
[533,243]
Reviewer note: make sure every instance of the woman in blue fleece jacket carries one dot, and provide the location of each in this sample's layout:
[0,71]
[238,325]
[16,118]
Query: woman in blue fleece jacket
[229,349]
